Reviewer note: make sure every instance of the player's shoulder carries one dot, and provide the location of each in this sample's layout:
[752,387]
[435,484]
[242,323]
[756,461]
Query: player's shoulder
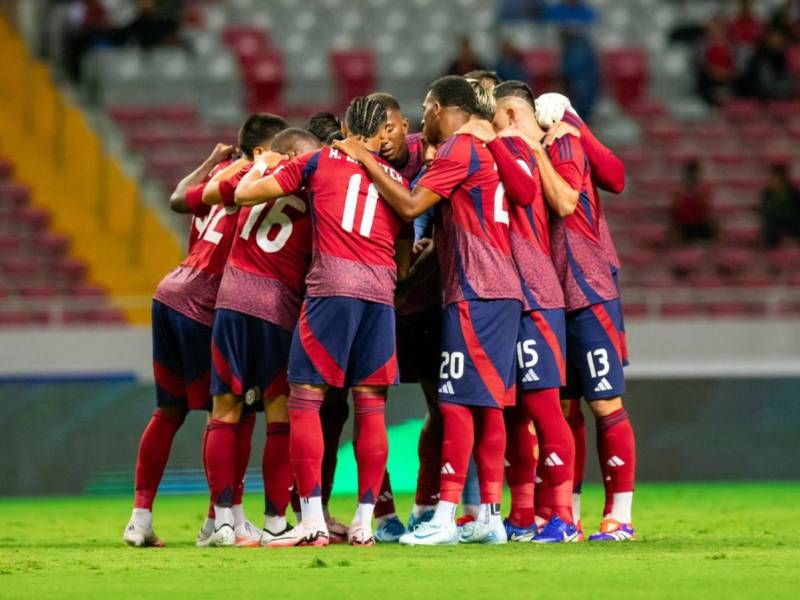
[456,147]
[414,140]
[393,173]
[566,148]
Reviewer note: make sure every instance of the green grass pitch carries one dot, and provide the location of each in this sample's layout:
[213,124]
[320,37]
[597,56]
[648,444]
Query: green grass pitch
[695,541]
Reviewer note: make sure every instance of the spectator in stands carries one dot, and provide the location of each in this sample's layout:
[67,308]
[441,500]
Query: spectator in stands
[571,14]
[514,11]
[767,75]
[580,70]
[510,65]
[466,60]
[155,24]
[745,29]
[87,26]
[691,206]
[780,207]
[717,71]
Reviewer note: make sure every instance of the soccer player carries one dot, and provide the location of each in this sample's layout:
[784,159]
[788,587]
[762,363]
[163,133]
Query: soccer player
[418,308]
[482,306]
[588,268]
[541,345]
[345,335]
[181,358]
[257,309]
[325,126]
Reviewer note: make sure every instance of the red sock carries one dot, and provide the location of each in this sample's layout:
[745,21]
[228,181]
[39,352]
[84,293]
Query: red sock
[521,469]
[371,444]
[154,448]
[556,448]
[306,445]
[490,449]
[459,433]
[220,453]
[334,414]
[578,427]
[244,444]
[430,463]
[385,504]
[211,513]
[543,499]
[617,454]
[276,470]
[295,498]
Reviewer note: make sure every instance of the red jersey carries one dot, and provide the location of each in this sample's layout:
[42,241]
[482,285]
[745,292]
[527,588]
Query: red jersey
[199,210]
[472,232]
[269,258]
[580,242]
[353,227]
[530,234]
[416,157]
[191,289]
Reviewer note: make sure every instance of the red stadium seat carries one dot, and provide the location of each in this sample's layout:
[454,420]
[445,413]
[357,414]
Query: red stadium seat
[354,72]
[129,117]
[743,110]
[544,67]
[740,234]
[754,280]
[706,281]
[635,310]
[687,259]
[650,234]
[679,309]
[646,108]
[626,74]
[266,79]
[735,259]
[783,259]
[663,131]
[735,309]
[246,39]
[176,114]
[783,109]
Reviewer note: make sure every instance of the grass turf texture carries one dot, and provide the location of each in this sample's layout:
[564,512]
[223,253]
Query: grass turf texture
[695,540]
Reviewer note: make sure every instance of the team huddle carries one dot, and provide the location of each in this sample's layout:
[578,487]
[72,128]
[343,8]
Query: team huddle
[335,261]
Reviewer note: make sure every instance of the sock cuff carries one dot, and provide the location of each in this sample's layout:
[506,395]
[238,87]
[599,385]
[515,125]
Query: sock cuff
[302,398]
[158,414]
[218,424]
[279,427]
[368,402]
[616,417]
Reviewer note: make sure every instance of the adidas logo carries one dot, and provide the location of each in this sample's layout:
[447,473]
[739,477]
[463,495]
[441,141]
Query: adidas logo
[615,461]
[530,377]
[538,479]
[447,388]
[603,386]
[448,469]
[553,460]
[385,497]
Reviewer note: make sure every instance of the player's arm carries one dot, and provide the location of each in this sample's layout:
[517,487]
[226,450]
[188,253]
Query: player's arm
[562,180]
[515,174]
[608,171]
[254,188]
[178,199]
[223,183]
[402,257]
[407,204]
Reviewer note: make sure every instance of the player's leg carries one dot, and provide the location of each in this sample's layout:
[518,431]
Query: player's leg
[429,450]
[317,359]
[571,409]
[168,327]
[334,414]
[598,333]
[372,367]
[275,466]
[470,496]
[521,459]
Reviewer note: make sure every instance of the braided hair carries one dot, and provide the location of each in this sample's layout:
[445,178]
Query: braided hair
[365,116]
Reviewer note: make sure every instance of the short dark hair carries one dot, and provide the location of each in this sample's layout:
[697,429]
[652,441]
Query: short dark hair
[389,101]
[454,90]
[365,116]
[286,139]
[515,89]
[258,130]
[323,125]
[483,74]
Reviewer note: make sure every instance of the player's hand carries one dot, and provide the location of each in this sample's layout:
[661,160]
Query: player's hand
[270,159]
[478,128]
[219,153]
[353,147]
[559,130]
[528,137]
[550,109]
[422,245]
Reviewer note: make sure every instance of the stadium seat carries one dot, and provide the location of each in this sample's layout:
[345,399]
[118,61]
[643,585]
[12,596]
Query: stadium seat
[265,80]
[736,309]
[742,110]
[354,73]
[679,309]
[627,74]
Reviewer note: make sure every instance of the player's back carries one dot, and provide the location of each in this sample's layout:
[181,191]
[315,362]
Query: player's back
[353,228]
[530,234]
[579,241]
[473,223]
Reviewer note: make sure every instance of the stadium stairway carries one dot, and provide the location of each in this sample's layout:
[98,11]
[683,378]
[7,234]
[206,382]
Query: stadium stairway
[58,157]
